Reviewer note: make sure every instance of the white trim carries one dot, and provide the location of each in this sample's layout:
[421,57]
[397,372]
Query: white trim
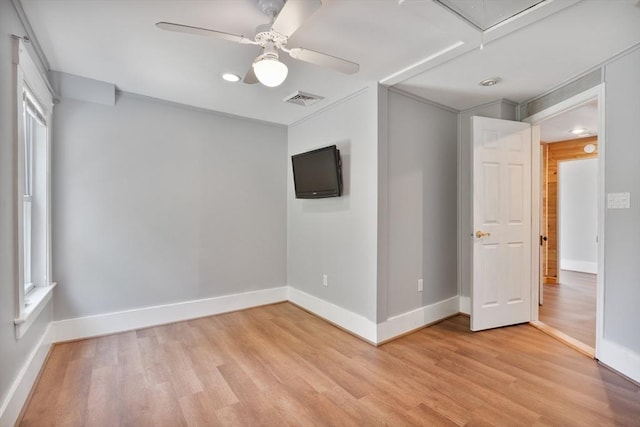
[600,279]
[27,78]
[401,324]
[460,236]
[122,321]
[21,387]
[352,322]
[110,323]
[368,330]
[598,93]
[536,215]
[35,302]
[568,104]
[424,64]
[465,305]
[579,265]
[620,359]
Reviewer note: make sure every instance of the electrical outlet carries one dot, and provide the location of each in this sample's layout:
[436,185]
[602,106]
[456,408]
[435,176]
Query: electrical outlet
[420,285]
[325,280]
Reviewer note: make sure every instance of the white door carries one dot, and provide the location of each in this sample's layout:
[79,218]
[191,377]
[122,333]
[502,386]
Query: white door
[501,287]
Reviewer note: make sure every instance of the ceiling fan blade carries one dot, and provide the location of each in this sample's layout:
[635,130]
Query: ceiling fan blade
[324,60]
[250,78]
[179,28]
[293,14]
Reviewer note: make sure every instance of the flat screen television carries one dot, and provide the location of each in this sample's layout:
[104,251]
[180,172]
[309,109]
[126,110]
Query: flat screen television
[318,173]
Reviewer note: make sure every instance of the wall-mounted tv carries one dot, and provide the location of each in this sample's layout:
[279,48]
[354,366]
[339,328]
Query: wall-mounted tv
[317,173]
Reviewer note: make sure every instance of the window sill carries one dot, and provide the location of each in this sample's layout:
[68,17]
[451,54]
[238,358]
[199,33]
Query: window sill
[37,300]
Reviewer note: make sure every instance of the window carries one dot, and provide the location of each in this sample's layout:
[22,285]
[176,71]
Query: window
[33,109]
[33,197]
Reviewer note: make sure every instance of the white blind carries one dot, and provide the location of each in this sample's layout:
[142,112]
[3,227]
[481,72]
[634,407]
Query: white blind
[31,106]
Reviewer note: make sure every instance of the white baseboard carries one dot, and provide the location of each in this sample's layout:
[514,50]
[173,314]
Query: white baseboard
[367,329]
[578,265]
[21,387]
[465,305]
[412,320]
[110,323]
[619,358]
[352,322]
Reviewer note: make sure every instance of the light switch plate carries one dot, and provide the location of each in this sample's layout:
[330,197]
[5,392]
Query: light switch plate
[618,200]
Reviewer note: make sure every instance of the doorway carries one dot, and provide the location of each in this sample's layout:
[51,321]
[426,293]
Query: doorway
[570,219]
[569,230]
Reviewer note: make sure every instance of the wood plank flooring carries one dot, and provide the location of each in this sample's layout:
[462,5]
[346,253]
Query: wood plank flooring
[570,306]
[279,365]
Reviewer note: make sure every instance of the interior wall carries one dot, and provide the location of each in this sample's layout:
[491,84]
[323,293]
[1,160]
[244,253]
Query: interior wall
[496,110]
[156,203]
[421,218]
[578,194]
[622,226]
[338,236]
[13,353]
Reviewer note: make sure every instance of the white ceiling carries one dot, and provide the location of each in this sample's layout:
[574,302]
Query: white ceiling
[418,46]
[559,128]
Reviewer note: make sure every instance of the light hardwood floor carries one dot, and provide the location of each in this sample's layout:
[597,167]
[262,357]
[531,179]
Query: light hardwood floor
[570,306]
[279,365]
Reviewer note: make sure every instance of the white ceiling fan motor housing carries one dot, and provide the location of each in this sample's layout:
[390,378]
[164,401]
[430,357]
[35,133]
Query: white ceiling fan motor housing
[265,38]
[271,7]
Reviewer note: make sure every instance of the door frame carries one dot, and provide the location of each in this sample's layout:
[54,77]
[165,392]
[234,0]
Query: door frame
[595,93]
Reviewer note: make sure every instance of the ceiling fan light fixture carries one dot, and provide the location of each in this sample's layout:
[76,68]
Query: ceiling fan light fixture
[269,71]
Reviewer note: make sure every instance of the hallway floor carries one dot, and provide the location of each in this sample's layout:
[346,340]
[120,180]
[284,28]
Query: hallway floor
[570,306]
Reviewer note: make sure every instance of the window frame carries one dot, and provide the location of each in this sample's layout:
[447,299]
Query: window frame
[29,82]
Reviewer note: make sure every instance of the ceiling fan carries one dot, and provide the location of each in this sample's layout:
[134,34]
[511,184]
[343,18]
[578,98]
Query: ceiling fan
[286,18]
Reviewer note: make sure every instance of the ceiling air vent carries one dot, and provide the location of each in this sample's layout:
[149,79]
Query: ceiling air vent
[302,98]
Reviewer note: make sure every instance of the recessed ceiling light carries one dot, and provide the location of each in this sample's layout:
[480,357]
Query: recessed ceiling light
[230,77]
[490,82]
[578,131]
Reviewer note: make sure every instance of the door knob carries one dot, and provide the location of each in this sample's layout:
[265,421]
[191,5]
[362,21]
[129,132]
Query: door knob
[481,234]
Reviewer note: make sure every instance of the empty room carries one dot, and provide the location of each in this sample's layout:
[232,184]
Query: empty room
[319,212]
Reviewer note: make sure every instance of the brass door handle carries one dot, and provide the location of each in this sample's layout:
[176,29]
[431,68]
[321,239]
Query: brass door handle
[481,234]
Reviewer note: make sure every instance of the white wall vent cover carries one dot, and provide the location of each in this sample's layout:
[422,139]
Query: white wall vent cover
[303,98]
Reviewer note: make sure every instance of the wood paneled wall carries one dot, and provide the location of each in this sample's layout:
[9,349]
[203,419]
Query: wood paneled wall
[552,154]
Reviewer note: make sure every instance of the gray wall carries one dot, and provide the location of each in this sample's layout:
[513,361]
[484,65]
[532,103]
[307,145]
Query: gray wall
[622,226]
[421,217]
[338,236]
[13,353]
[497,110]
[155,203]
